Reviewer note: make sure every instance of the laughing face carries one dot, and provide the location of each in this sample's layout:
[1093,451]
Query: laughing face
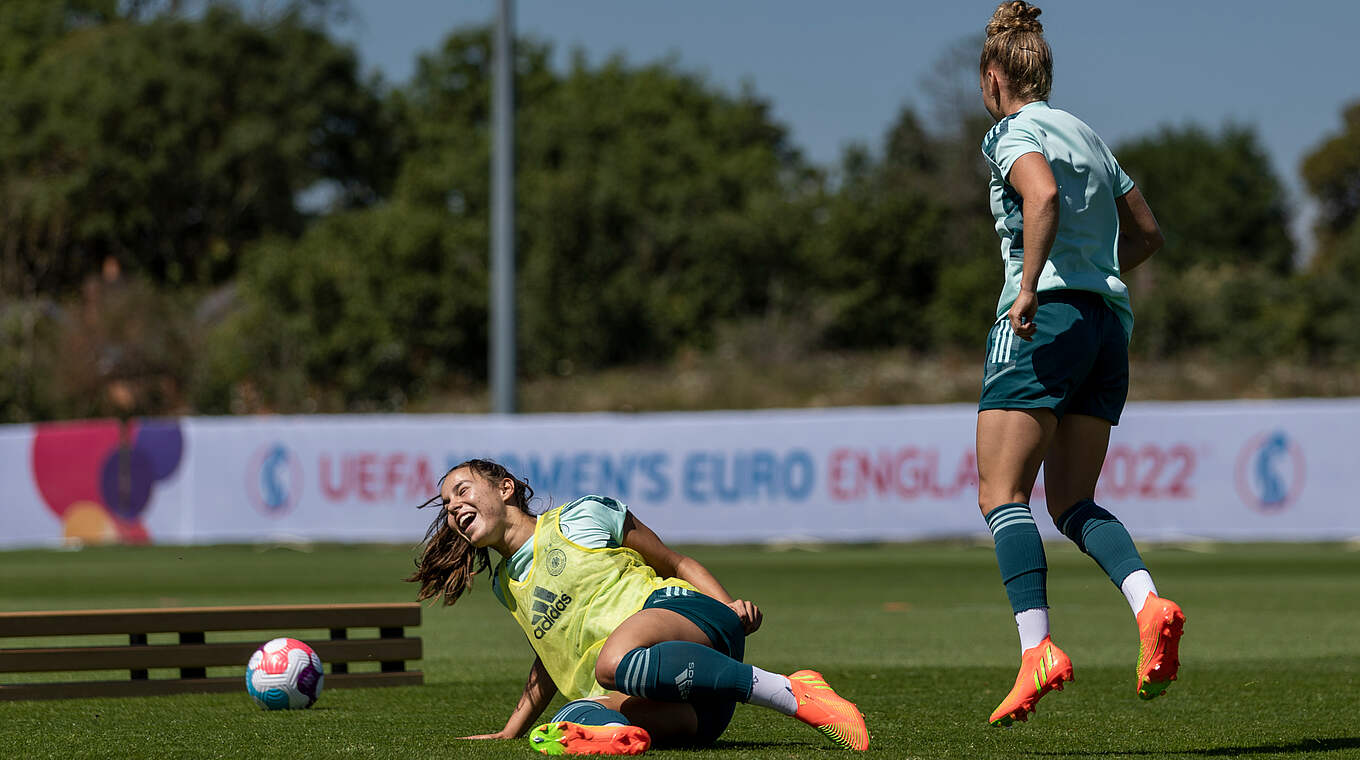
[475,507]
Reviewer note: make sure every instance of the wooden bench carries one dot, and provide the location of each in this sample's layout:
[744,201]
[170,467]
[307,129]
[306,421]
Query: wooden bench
[193,654]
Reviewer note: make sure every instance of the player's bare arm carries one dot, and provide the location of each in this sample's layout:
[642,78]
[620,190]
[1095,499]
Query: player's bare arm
[1032,177]
[1139,234]
[539,690]
[670,563]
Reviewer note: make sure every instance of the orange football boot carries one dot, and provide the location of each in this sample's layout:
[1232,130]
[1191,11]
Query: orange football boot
[567,738]
[1160,624]
[822,708]
[1043,668]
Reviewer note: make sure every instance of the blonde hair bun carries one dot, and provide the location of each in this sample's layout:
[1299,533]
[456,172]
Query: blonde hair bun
[1015,16]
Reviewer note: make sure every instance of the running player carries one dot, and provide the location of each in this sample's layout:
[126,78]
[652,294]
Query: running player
[1056,373]
[643,640]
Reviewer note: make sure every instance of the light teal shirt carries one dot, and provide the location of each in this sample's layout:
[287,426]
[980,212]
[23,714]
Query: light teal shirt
[1085,253]
[595,522]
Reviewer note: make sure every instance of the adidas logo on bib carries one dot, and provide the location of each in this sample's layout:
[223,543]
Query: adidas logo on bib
[546,610]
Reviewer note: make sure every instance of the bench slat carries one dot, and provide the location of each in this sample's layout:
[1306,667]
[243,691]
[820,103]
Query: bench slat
[194,655]
[178,619]
[159,686]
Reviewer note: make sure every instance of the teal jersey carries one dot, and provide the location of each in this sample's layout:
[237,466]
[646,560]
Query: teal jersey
[1085,253]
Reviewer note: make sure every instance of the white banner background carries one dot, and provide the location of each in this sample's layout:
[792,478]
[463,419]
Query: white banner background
[1280,470]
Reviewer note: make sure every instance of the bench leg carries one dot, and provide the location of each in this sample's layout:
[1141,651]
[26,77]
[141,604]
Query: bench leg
[339,634]
[192,637]
[138,640]
[392,666]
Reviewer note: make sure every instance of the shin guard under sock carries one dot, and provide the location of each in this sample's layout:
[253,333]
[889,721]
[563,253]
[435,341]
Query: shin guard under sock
[681,671]
[1019,556]
[1101,536]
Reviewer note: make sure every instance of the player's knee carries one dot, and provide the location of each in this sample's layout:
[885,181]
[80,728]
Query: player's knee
[605,667]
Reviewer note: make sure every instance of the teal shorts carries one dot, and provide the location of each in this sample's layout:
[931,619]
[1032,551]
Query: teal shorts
[718,621]
[723,628]
[1077,363]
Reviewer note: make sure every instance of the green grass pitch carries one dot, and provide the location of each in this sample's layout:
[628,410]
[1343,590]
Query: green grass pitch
[919,635]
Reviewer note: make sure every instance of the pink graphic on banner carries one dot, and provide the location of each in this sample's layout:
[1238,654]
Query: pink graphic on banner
[98,477]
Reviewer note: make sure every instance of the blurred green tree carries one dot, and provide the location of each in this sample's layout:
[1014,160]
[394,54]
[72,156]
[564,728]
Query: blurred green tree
[1216,196]
[169,142]
[370,308]
[1331,173]
[904,251]
[1224,275]
[651,208]
[656,208]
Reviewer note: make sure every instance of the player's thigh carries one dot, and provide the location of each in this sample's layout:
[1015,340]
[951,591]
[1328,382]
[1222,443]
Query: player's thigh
[1075,458]
[643,629]
[1010,448]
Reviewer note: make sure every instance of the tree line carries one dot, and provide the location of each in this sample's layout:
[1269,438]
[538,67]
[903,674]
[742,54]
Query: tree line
[214,211]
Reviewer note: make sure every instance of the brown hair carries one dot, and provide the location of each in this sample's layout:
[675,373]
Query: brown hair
[447,562]
[1015,43]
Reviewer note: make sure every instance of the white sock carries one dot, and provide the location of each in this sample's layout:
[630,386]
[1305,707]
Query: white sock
[1136,588]
[1033,626]
[773,691]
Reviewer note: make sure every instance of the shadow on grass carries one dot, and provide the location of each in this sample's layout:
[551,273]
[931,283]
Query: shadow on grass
[1305,745]
[800,748]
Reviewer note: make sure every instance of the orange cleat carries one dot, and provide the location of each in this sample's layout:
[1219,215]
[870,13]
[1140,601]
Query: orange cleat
[1160,624]
[822,708]
[1043,668]
[566,738]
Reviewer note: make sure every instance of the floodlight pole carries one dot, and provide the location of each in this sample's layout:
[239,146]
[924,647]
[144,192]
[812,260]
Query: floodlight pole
[502,343]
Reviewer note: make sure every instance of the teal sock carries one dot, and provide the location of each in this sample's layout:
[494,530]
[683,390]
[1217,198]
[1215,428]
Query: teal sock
[1019,556]
[1099,534]
[588,712]
[680,671]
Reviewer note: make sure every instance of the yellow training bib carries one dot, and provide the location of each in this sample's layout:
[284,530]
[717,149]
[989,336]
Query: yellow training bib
[572,598]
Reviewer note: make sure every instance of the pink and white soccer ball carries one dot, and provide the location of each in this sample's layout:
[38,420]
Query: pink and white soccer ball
[284,674]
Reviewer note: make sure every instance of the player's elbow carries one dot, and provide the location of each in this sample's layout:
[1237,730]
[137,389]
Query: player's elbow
[1044,199]
[1153,240]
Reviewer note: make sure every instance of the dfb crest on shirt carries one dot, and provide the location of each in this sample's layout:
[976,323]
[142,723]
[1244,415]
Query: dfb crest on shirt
[557,562]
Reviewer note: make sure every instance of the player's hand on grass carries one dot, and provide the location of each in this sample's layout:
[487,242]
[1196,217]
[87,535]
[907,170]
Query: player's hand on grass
[497,735]
[749,614]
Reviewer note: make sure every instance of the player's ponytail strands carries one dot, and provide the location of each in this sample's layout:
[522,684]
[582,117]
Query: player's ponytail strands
[448,563]
[1015,43]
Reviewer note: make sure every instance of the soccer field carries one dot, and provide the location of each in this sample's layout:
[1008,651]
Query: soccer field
[920,636]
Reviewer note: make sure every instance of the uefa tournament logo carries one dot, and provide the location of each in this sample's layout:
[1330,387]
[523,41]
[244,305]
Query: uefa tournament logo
[1270,471]
[274,480]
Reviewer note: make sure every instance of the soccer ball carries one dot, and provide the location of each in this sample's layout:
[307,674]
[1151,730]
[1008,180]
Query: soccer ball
[284,674]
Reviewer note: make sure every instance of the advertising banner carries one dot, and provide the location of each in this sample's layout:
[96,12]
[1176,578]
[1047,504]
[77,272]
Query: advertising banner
[1279,470]
[92,482]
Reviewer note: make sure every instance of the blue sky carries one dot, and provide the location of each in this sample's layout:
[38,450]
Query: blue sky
[838,72]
